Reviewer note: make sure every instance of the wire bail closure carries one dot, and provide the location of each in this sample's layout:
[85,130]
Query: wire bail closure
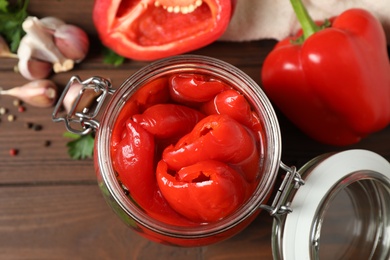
[292,180]
[87,117]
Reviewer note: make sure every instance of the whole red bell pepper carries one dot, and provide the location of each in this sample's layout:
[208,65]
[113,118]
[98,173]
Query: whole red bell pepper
[149,29]
[333,81]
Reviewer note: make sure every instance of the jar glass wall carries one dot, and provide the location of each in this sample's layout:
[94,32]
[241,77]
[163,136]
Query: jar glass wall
[354,220]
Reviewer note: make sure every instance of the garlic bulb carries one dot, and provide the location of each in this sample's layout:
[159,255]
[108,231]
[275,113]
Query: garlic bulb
[50,41]
[42,45]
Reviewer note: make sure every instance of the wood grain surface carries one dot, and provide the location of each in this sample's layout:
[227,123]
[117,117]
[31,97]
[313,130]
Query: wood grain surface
[51,206]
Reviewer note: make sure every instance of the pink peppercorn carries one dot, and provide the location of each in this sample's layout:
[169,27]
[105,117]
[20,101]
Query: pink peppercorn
[13,152]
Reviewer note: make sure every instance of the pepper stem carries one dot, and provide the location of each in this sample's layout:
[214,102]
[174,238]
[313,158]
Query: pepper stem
[309,27]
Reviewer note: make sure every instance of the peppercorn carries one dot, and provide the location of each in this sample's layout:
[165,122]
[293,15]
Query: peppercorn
[21,108]
[13,152]
[37,127]
[11,118]
[3,110]
[28,125]
[17,102]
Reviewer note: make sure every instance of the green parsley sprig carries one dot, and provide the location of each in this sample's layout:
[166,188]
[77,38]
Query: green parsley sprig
[112,58]
[81,147]
[11,20]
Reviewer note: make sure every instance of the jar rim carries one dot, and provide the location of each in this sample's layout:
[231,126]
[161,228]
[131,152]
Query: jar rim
[187,63]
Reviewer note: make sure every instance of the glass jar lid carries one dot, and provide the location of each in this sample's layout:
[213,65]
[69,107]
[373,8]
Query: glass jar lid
[342,211]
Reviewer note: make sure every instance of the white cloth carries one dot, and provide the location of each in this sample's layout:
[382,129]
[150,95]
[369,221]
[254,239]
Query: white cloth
[275,19]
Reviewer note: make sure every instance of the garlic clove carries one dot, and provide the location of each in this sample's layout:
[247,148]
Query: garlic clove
[88,97]
[72,42]
[34,69]
[29,67]
[39,93]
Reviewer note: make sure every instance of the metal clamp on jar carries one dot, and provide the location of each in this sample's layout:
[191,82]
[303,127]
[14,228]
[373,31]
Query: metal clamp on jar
[334,207]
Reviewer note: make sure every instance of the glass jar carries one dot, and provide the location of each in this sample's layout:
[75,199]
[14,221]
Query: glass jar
[282,206]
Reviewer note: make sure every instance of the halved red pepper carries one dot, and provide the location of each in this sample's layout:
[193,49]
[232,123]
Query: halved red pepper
[334,83]
[206,191]
[149,29]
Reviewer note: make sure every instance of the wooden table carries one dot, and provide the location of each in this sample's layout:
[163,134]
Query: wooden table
[51,206]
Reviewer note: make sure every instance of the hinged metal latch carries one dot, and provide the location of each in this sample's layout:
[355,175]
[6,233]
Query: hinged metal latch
[292,180]
[83,122]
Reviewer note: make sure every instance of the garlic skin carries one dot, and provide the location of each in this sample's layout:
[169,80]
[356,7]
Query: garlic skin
[52,22]
[38,93]
[72,42]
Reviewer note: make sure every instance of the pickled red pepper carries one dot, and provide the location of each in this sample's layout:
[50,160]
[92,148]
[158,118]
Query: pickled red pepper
[181,159]
[332,80]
